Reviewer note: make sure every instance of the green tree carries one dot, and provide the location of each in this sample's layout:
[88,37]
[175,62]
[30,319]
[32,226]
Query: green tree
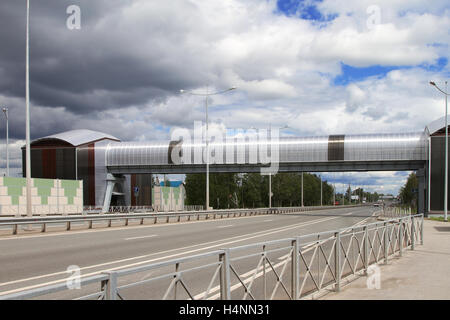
[407,194]
[251,190]
[222,189]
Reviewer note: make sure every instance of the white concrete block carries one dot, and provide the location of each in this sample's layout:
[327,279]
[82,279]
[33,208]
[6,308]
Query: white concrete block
[3,191]
[54,192]
[36,201]
[78,201]
[22,200]
[5,200]
[52,200]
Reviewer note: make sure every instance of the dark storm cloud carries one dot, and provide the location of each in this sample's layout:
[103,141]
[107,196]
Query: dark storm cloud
[105,65]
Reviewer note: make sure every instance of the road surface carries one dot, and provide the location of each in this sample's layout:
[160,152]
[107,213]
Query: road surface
[29,261]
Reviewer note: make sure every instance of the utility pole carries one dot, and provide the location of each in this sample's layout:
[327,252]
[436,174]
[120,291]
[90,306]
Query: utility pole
[446,149]
[270,190]
[302,188]
[321,190]
[27,114]
[5,111]
[206,95]
[334,194]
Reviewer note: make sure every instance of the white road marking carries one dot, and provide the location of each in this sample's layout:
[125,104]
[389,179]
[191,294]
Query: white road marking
[142,237]
[268,220]
[256,235]
[284,257]
[220,227]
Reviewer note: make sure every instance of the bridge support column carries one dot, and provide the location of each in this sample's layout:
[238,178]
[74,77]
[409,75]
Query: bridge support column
[111,182]
[421,208]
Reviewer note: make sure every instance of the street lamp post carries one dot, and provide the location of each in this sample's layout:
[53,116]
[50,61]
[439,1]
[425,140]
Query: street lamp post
[321,190]
[334,194]
[302,188]
[270,190]
[270,174]
[206,95]
[5,111]
[27,112]
[446,148]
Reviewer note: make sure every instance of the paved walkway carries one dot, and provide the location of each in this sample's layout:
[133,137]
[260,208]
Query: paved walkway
[420,274]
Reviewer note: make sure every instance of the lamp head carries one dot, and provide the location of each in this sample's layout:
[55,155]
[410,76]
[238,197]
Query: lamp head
[432,83]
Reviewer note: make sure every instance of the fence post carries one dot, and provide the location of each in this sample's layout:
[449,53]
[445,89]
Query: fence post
[421,230]
[225,280]
[337,261]
[110,286]
[400,238]
[386,243]
[366,250]
[295,271]
[413,234]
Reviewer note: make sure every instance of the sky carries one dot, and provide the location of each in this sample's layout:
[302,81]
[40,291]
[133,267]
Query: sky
[318,67]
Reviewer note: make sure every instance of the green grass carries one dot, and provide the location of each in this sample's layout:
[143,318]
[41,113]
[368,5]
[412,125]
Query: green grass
[438,219]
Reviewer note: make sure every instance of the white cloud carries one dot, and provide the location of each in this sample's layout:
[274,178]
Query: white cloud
[283,67]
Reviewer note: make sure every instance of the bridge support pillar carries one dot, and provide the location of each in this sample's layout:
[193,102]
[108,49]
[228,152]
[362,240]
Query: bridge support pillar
[111,182]
[421,208]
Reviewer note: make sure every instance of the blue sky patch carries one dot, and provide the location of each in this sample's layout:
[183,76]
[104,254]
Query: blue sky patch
[306,10]
[352,74]
[437,67]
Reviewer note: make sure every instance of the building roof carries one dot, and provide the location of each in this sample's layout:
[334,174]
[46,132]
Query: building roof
[437,126]
[76,137]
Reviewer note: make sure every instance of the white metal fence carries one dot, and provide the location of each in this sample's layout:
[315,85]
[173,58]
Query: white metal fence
[290,268]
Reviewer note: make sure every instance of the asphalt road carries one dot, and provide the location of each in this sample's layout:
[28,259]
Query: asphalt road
[35,260]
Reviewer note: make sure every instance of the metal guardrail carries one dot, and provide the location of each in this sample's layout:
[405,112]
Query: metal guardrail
[134,209]
[156,217]
[291,268]
[395,212]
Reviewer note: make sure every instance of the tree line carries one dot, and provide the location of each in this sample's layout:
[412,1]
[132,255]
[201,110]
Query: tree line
[408,193]
[251,190]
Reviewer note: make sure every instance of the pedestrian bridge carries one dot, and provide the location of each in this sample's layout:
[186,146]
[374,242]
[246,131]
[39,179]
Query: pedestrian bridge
[109,167]
[370,152]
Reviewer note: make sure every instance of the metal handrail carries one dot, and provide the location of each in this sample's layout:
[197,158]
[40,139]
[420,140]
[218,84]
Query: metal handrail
[44,221]
[392,237]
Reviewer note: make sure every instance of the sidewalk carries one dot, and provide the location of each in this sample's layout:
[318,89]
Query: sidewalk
[420,274]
